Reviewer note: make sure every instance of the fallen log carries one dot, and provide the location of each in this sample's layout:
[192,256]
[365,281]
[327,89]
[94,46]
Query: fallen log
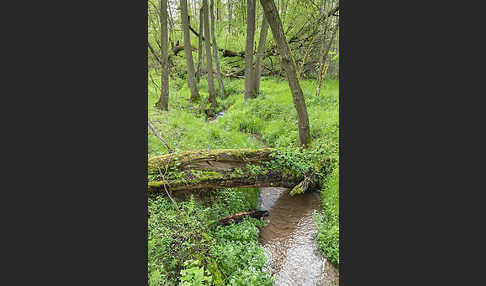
[237,218]
[237,73]
[229,53]
[223,168]
[226,53]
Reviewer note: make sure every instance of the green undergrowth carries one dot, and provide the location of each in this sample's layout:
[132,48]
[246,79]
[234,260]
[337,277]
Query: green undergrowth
[185,125]
[186,247]
[328,222]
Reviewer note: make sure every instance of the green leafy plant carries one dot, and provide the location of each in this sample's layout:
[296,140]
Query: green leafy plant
[195,274]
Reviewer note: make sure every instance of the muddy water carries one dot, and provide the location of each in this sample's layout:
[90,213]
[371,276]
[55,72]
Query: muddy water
[289,239]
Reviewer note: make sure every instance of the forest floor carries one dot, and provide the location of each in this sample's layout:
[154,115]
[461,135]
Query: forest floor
[184,243]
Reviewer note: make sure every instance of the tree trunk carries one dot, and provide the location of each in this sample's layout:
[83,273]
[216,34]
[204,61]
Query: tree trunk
[218,14]
[209,61]
[230,16]
[250,35]
[324,53]
[200,50]
[215,50]
[171,26]
[153,52]
[302,66]
[219,169]
[177,49]
[191,78]
[260,53]
[271,14]
[163,102]
[323,66]
[283,7]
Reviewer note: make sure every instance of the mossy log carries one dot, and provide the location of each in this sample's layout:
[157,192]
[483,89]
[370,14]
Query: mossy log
[223,168]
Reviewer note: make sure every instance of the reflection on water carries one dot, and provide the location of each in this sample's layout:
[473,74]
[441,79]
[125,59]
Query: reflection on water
[289,239]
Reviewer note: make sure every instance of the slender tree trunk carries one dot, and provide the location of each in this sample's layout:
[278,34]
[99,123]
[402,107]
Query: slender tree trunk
[153,52]
[260,54]
[209,61]
[200,53]
[306,55]
[230,16]
[250,35]
[218,14]
[323,65]
[283,7]
[163,102]
[215,51]
[271,14]
[324,51]
[171,26]
[191,79]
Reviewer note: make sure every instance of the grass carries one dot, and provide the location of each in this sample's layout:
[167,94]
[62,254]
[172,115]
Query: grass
[185,246]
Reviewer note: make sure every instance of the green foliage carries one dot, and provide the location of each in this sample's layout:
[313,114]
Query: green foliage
[328,221]
[184,246]
[273,115]
[302,161]
[195,274]
[239,253]
[184,243]
[175,235]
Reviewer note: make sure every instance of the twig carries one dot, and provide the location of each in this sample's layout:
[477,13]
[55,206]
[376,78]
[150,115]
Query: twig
[160,138]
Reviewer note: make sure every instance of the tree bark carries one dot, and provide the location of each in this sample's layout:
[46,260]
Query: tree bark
[194,31]
[163,102]
[153,52]
[230,16]
[260,54]
[220,168]
[200,50]
[218,14]
[250,35]
[171,25]
[191,78]
[215,50]
[323,66]
[209,62]
[283,7]
[288,65]
[324,53]
[177,49]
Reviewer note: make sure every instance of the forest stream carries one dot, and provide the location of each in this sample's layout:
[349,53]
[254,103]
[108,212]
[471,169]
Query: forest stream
[289,239]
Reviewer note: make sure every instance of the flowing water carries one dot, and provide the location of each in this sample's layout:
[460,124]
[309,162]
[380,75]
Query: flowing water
[289,239]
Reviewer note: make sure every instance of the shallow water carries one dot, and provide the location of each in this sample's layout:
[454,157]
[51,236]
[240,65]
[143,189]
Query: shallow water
[289,239]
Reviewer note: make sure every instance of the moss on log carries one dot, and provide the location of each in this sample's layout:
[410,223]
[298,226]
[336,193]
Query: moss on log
[219,169]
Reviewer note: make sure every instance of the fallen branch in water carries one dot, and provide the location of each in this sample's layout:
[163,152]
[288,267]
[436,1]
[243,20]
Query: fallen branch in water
[237,218]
